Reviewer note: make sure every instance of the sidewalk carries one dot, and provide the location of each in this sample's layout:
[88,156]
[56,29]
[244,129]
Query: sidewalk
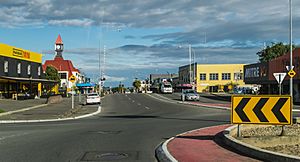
[203,145]
[50,111]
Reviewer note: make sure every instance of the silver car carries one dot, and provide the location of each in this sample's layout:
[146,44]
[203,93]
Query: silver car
[92,98]
[189,95]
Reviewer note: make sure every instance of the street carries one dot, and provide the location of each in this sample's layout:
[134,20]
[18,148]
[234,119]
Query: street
[129,128]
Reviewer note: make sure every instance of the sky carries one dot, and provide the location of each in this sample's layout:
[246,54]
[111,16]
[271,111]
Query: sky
[144,37]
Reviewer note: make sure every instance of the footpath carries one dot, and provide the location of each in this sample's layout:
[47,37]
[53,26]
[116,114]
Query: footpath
[36,110]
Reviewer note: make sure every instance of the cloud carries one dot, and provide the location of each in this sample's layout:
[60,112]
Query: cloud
[114,79]
[71,22]
[230,31]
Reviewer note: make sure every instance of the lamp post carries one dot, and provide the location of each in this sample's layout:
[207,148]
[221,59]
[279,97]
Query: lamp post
[291,48]
[190,59]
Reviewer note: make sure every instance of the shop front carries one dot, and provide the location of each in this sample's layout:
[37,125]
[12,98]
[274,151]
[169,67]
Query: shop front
[21,75]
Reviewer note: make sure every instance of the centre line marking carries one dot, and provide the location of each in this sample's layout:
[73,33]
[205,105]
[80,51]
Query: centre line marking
[147,107]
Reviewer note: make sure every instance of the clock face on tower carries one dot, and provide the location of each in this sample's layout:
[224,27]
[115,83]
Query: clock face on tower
[58,47]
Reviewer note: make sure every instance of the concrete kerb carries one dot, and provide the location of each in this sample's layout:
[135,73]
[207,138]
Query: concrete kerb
[51,120]
[162,153]
[255,151]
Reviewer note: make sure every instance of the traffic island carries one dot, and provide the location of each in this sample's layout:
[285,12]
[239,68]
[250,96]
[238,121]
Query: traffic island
[205,144]
[265,142]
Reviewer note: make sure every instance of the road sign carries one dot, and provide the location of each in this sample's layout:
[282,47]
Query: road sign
[279,77]
[292,73]
[274,110]
[288,68]
[72,78]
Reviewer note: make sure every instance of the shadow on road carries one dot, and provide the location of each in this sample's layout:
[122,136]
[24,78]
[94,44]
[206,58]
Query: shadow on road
[220,98]
[159,117]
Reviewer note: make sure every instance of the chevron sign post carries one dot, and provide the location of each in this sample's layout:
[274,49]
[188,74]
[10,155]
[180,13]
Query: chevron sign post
[273,110]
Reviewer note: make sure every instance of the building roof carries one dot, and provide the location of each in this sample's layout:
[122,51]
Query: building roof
[59,40]
[61,65]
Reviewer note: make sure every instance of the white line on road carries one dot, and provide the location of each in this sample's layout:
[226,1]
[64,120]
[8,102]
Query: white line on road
[133,101]
[13,135]
[139,104]
[147,108]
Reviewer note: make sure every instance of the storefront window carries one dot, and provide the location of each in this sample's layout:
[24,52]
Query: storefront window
[19,68]
[39,71]
[6,66]
[29,69]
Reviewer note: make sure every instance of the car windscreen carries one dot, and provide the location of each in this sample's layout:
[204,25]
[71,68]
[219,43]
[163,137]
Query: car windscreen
[94,94]
[167,86]
[190,91]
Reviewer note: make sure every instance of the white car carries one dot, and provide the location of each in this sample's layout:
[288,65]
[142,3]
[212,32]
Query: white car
[166,88]
[92,98]
[190,95]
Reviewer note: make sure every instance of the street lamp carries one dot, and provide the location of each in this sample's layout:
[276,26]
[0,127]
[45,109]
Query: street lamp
[291,48]
[191,59]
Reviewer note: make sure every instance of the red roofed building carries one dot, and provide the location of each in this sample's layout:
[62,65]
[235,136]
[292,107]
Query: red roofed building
[65,68]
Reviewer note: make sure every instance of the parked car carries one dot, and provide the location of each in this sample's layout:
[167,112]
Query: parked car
[189,95]
[166,88]
[127,91]
[92,98]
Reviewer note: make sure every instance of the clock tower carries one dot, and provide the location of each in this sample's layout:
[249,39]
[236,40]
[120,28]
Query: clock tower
[59,47]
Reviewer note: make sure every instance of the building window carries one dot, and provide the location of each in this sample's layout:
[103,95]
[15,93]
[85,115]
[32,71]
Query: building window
[213,76]
[6,66]
[19,68]
[39,71]
[226,76]
[29,69]
[63,75]
[202,76]
[238,76]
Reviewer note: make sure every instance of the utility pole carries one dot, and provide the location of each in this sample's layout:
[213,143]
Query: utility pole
[291,48]
[194,71]
[190,58]
[100,76]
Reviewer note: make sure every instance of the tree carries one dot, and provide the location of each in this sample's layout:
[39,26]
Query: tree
[273,51]
[52,73]
[137,84]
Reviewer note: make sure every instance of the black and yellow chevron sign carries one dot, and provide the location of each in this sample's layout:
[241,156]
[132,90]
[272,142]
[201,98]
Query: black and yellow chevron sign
[261,110]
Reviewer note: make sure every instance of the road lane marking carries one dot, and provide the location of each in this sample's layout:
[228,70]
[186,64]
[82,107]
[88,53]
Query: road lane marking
[13,135]
[139,104]
[147,108]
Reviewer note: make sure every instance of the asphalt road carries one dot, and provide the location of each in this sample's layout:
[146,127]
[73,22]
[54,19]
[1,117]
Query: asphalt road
[129,128]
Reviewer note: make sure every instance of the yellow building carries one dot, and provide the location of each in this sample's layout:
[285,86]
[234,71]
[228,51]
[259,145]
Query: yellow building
[21,74]
[212,77]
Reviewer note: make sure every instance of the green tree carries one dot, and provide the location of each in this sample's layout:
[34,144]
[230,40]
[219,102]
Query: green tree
[52,73]
[273,51]
[136,84]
